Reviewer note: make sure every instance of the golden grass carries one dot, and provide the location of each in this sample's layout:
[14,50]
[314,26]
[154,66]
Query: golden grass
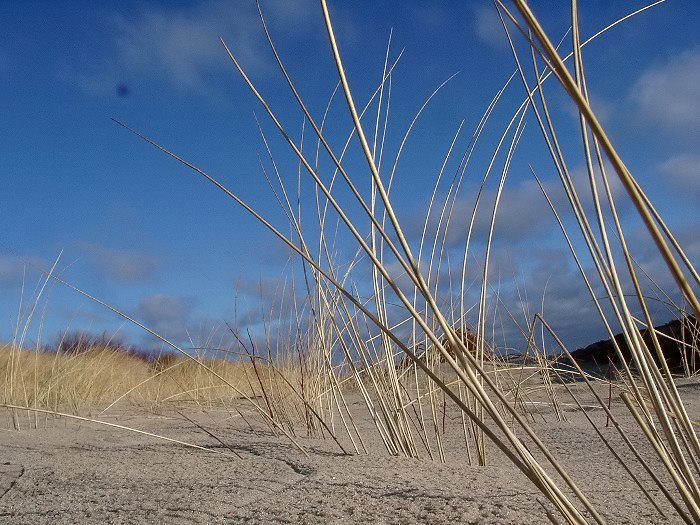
[97,377]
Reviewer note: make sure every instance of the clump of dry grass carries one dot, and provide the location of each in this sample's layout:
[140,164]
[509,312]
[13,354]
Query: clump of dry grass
[54,380]
[99,377]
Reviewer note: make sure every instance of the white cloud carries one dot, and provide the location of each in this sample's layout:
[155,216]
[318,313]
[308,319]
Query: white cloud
[683,174]
[603,108]
[181,47]
[488,27]
[522,212]
[668,94]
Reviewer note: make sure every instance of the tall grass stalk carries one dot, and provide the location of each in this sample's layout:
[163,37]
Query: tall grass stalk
[486,399]
[337,337]
[680,438]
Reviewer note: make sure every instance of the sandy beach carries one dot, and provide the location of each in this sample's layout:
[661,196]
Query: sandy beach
[66,471]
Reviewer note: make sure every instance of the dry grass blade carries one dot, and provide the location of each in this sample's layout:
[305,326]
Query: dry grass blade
[188,356]
[115,425]
[663,391]
[557,66]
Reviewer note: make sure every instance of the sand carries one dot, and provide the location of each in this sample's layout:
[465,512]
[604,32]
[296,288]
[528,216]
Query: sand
[71,472]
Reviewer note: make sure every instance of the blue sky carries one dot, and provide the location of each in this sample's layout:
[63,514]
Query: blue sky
[147,236]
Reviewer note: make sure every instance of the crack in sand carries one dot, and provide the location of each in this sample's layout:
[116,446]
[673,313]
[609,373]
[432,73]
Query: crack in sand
[302,470]
[187,515]
[9,475]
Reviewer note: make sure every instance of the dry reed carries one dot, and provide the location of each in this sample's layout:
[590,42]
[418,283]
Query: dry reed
[341,338]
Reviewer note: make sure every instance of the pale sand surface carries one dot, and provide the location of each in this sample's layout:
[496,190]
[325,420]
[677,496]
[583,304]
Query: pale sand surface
[70,472]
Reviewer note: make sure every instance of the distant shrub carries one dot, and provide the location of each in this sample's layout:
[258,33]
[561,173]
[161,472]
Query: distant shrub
[75,343]
[163,361]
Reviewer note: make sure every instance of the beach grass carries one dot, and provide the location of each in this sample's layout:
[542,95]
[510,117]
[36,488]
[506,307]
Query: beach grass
[347,343]
[100,378]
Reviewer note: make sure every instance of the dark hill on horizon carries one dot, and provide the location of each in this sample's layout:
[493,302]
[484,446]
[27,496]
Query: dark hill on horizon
[678,339]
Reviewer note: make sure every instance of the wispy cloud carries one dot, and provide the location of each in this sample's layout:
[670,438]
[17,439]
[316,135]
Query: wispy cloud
[523,212]
[667,94]
[123,266]
[167,315]
[683,174]
[14,269]
[554,289]
[654,267]
[488,28]
[180,46]
[11,269]
[428,15]
[175,318]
